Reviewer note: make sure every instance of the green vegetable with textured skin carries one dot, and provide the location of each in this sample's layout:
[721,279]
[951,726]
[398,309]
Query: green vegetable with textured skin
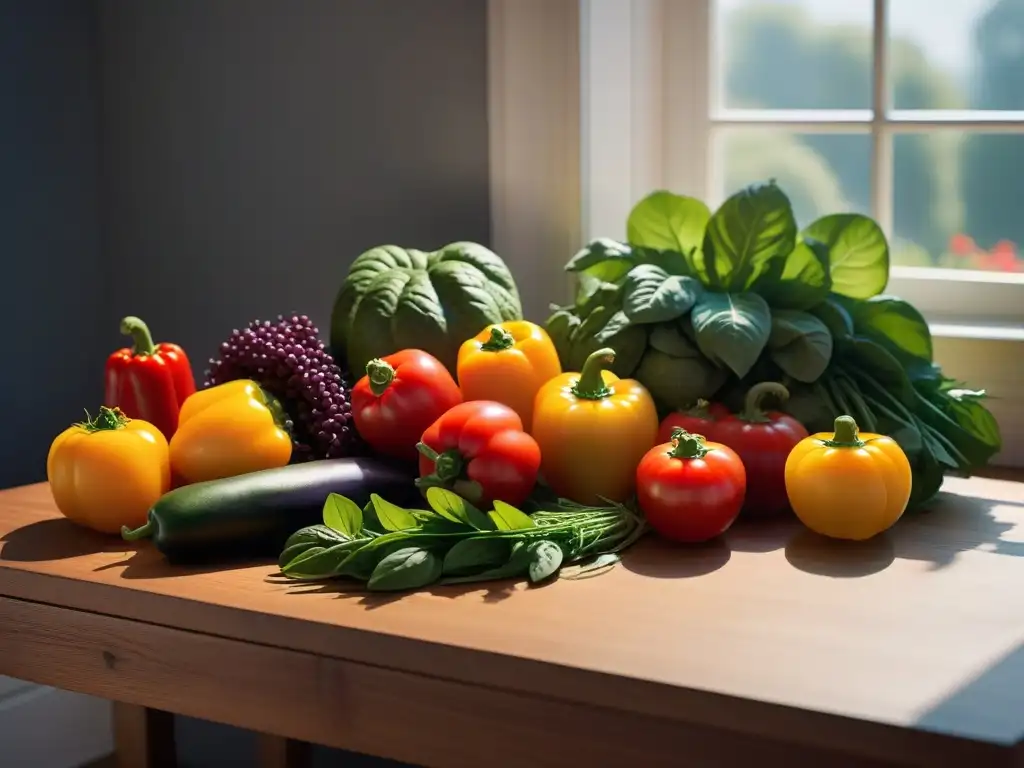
[393,549]
[704,305]
[400,298]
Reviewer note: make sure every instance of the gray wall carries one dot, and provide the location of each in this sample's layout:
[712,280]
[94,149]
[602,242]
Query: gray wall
[201,163]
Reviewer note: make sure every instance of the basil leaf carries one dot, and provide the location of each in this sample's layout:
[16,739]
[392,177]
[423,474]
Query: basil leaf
[605,259]
[475,554]
[517,565]
[732,329]
[508,518]
[408,568]
[652,295]
[752,231]
[391,516]
[545,560]
[343,515]
[801,282]
[858,253]
[322,562]
[800,344]
[454,508]
[669,222]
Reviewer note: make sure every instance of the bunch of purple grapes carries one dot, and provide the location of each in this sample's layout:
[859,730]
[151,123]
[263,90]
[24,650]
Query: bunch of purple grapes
[288,360]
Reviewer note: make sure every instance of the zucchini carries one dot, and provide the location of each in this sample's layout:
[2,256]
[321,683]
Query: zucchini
[252,515]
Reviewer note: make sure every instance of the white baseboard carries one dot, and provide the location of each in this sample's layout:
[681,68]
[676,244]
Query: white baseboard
[43,727]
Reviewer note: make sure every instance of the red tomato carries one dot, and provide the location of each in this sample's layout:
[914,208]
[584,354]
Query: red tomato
[690,490]
[763,441]
[480,451]
[699,420]
[399,397]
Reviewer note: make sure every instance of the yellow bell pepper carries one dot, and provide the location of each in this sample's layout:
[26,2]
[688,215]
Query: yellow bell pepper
[508,363]
[848,485]
[108,471]
[228,430]
[593,428]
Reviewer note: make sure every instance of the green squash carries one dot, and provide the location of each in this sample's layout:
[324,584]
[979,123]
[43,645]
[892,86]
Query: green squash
[400,298]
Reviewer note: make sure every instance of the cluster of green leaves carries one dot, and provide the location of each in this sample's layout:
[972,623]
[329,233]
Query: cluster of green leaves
[702,305]
[390,548]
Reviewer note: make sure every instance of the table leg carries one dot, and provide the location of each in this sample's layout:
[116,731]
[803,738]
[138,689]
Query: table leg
[279,752]
[143,737]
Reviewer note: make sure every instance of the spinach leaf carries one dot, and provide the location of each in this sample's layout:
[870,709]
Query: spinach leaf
[835,316]
[476,554]
[801,282]
[408,568]
[545,560]
[672,340]
[677,382]
[628,342]
[391,516]
[668,222]
[747,235]
[343,515]
[605,259]
[508,518]
[652,295]
[315,535]
[517,565]
[616,324]
[561,327]
[897,326]
[321,562]
[454,508]
[800,344]
[858,253]
[732,329]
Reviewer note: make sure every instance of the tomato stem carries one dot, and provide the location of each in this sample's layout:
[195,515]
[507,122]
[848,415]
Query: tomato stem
[381,374]
[753,403]
[108,419]
[590,385]
[142,339]
[687,446]
[845,434]
[500,340]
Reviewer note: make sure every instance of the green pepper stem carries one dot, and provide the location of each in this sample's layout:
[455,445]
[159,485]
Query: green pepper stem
[381,374]
[687,446]
[108,419]
[590,385]
[753,403]
[846,434]
[448,466]
[500,340]
[142,532]
[142,339]
[699,409]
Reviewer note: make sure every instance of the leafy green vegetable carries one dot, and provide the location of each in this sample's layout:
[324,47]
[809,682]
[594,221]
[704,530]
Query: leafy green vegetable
[508,518]
[800,344]
[407,568]
[803,280]
[732,328]
[343,515]
[545,560]
[453,507]
[667,222]
[858,253]
[652,295]
[392,517]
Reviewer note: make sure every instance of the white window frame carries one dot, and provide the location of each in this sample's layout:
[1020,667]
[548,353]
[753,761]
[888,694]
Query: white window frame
[590,110]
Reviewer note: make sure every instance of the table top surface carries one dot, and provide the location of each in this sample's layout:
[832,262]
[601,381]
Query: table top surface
[921,628]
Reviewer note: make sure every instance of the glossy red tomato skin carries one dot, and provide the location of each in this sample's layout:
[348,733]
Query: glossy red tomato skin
[691,500]
[763,447]
[692,422]
[422,390]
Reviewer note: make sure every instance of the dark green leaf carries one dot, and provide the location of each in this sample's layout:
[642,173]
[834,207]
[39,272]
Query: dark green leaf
[561,327]
[343,515]
[670,339]
[629,342]
[604,259]
[858,253]
[616,324]
[475,555]
[315,535]
[803,280]
[750,232]
[800,344]
[517,565]
[897,326]
[651,295]
[391,516]
[677,382]
[545,560]
[835,316]
[732,329]
[597,293]
[668,222]
[408,568]
[322,562]
[453,507]
[362,561]
[508,518]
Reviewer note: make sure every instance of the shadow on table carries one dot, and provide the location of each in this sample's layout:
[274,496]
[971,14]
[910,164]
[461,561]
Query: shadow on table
[661,559]
[809,552]
[56,539]
[147,563]
[485,591]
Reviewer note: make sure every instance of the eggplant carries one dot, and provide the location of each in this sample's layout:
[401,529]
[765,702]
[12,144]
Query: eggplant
[252,515]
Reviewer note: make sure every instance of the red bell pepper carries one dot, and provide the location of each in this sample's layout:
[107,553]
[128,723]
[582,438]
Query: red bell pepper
[763,440]
[698,420]
[398,398]
[148,381]
[480,451]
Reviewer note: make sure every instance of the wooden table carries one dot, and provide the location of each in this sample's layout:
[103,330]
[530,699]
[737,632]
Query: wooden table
[773,648]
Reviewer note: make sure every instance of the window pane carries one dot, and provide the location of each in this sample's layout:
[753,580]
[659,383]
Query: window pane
[821,173]
[958,200]
[794,54]
[968,55]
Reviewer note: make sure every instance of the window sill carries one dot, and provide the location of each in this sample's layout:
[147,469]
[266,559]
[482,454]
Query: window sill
[975,328]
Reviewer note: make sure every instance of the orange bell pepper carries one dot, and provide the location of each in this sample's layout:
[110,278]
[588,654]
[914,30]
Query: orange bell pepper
[593,428]
[226,430]
[508,363]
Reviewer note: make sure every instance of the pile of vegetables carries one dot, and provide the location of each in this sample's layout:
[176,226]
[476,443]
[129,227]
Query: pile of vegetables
[702,306]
